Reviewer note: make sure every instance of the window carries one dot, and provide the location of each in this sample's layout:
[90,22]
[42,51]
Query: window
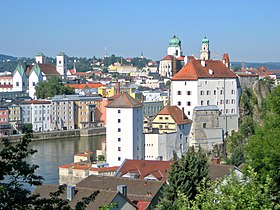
[17,84]
[119,148]
[208,102]
[221,101]
[227,101]
[119,158]
[232,101]
[189,113]
[59,62]
[179,103]
[204,125]
[227,110]
[119,139]
[160,118]
[181,136]
[119,130]
[188,103]
[201,103]
[189,93]
[119,120]
[208,92]
[178,92]
[137,147]
[232,111]
[160,126]
[206,82]
[119,111]
[166,126]
[202,93]
[214,92]
[232,91]
[33,83]
[221,92]
[166,118]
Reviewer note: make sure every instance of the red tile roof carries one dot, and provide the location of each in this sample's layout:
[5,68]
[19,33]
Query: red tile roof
[143,205]
[124,101]
[168,57]
[194,70]
[88,85]
[46,68]
[36,102]
[143,168]
[176,113]
[226,57]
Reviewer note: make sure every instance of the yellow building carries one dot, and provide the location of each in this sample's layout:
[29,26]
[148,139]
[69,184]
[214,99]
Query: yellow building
[169,118]
[107,92]
[15,116]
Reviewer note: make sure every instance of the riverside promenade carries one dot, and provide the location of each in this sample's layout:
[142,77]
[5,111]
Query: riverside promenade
[50,135]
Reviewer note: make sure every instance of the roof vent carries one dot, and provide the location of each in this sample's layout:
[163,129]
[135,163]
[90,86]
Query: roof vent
[203,63]
[211,72]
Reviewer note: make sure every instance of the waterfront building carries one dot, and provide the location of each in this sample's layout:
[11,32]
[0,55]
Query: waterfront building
[207,82]
[124,130]
[15,115]
[5,126]
[38,113]
[75,111]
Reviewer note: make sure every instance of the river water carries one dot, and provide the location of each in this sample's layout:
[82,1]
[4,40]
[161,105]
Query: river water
[53,153]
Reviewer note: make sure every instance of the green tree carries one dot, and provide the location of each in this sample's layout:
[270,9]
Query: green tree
[186,176]
[52,87]
[27,128]
[16,173]
[232,193]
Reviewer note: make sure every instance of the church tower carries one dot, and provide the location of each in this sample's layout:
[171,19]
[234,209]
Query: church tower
[19,79]
[40,58]
[174,47]
[205,52]
[61,64]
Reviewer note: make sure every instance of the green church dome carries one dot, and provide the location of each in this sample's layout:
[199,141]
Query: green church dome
[205,40]
[174,42]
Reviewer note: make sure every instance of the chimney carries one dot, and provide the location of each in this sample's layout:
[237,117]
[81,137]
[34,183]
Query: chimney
[118,87]
[70,192]
[216,160]
[122,189]
[202,62]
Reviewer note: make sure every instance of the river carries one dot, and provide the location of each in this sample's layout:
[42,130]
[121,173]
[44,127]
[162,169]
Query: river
[53,153]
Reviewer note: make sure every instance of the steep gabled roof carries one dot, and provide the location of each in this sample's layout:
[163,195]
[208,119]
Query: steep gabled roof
[176,113]
[124,101]
[35,69]
[194,70]
[143,168]
[20,69]
[168,57]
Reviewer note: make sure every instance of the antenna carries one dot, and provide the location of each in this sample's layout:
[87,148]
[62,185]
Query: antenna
[105,54]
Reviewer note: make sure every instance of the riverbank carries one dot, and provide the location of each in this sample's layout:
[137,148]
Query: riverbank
[60,134]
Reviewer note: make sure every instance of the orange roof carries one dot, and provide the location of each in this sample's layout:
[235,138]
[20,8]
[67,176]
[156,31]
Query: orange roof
[168,57]
[88,85]
[124,101]
[176,113]
[226,57]
[143,205]
[194,70]
[113,168]
[36,102]
[85,154]
[46,68]
[143,168]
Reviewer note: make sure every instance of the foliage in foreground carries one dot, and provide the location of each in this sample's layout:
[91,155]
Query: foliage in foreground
[186,176]
[16,174]
[231,193]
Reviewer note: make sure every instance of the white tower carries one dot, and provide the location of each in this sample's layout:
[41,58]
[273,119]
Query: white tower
[35,76]
[61,64]
[40,58]
[19,79]
[174,47]
[124,130]
[205,52]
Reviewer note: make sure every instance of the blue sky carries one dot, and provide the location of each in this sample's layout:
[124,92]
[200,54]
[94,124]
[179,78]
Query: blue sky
[246,29]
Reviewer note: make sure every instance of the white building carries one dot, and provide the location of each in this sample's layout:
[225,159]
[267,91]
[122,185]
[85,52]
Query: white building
[207,82]
[124,132]
[205,51]
[19,79]
[37,112]
[35,76]
[61,64]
